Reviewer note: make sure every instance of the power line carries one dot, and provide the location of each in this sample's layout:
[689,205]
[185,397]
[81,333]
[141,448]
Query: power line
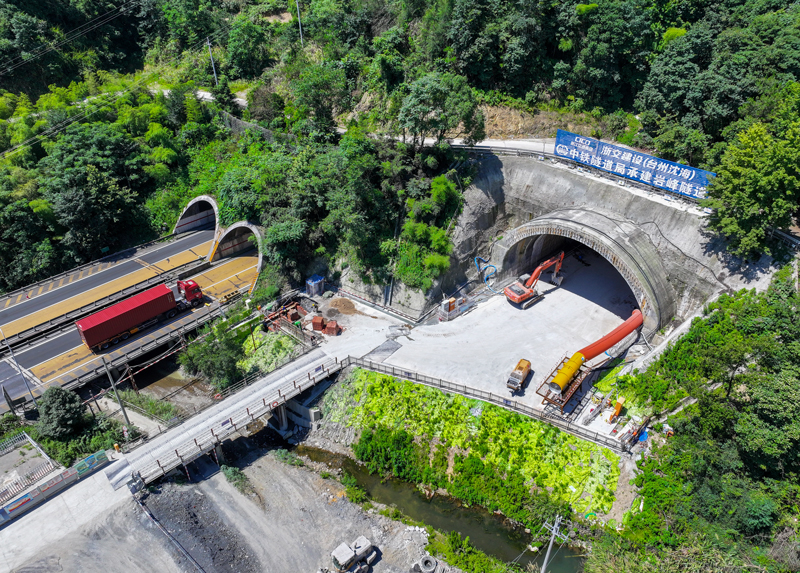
[107,100]
[13,63]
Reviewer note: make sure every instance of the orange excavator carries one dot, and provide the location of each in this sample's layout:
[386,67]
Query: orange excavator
[523,292]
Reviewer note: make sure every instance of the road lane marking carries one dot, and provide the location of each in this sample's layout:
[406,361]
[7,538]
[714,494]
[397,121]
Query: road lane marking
[97,293]
[70,278]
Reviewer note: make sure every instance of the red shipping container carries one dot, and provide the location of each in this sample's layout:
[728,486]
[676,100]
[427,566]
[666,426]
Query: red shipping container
[318,323]
[125,315]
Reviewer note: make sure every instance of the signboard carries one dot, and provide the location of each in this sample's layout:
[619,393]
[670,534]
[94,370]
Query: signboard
[667,175]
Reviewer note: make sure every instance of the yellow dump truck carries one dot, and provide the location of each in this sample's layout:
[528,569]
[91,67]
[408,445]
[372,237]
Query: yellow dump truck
[516,381]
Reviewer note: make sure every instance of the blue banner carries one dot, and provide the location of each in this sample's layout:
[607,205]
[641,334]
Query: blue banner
[667,175]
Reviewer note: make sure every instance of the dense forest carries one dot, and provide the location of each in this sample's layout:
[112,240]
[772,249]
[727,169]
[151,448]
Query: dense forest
[712,85]
[112,116]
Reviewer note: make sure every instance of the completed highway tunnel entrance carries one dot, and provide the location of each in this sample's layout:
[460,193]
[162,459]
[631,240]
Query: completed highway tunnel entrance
[613,263]
[200,213]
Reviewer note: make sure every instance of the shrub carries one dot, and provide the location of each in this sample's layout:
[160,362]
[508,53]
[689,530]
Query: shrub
[60,413]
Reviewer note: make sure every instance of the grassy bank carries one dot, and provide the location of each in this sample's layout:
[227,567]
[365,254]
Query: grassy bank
[478,452]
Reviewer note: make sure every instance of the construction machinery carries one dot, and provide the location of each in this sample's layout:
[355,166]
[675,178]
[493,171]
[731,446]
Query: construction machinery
[516,381]
[523,292]
[567,372]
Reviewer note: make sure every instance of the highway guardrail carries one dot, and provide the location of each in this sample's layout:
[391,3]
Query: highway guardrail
[130,250]
[47,328]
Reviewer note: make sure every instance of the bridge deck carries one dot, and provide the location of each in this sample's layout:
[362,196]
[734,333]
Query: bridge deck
[64,360]
[146,271]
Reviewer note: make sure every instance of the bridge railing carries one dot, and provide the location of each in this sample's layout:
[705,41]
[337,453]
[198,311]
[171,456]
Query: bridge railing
[255,407]
[205,440]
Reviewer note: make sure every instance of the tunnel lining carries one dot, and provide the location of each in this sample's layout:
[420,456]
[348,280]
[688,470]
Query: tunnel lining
[236,239]
[199,212]
[619,242]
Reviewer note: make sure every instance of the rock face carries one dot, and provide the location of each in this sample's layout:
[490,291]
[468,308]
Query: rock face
[520,210]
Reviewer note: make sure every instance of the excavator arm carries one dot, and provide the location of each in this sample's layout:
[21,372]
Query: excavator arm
[558,260]
[523,291]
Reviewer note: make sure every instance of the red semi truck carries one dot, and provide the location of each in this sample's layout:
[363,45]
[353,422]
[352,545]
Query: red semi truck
[102,329]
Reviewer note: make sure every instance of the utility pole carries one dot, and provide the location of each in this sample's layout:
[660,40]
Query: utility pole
[213,67]
[299,23]
[114,386]
[19,369]
[554,531]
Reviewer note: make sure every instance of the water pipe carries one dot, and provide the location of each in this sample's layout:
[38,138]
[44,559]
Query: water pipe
[487,277]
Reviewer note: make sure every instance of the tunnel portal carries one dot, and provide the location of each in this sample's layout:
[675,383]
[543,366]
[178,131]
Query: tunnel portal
[620,242]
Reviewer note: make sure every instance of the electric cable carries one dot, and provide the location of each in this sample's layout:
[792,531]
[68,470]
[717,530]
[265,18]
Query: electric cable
[13,63]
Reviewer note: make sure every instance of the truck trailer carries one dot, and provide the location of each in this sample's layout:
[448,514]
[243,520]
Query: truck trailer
[118,322]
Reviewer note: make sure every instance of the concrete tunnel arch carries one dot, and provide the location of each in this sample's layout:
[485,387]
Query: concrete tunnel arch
[620,242]
[200,213]
[236,239]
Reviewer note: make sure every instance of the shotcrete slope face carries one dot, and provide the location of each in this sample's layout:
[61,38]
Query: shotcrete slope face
[519,211]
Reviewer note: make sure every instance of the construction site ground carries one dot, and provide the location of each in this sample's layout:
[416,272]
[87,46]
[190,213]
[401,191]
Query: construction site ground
[292,522]
[303,516]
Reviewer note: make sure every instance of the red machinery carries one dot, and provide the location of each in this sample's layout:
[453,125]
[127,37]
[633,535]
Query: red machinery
[117,322]
[567,372]
[523,292]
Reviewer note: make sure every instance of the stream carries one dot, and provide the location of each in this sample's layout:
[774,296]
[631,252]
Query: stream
[490,533]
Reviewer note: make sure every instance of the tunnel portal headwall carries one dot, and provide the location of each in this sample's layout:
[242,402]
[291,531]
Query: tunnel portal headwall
[518,210]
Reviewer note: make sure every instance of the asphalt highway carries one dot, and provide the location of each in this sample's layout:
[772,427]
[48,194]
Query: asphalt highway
[37,309]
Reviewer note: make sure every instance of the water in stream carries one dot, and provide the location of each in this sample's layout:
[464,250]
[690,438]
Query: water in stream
[490,533]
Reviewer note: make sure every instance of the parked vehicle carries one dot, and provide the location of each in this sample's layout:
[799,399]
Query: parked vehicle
[118,322]
[516,381]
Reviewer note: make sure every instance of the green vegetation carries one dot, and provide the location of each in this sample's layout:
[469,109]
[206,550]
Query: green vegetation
[459,552]
[288,457]
[60,413]
[500,460]
[225,354]
[86,434]
[156,408]
[352,490]
[271,350]
[238,479]
[725,485]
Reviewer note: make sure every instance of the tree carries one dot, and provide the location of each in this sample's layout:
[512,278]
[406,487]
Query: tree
[60,413]
[215,355]
[97,213]
[757,188]
[438,105]
[322,89]
[247,48]
[223,96]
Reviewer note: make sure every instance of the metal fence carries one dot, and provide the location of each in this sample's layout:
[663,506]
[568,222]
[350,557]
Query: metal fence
[512,405]
[22,483]
[205,440]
